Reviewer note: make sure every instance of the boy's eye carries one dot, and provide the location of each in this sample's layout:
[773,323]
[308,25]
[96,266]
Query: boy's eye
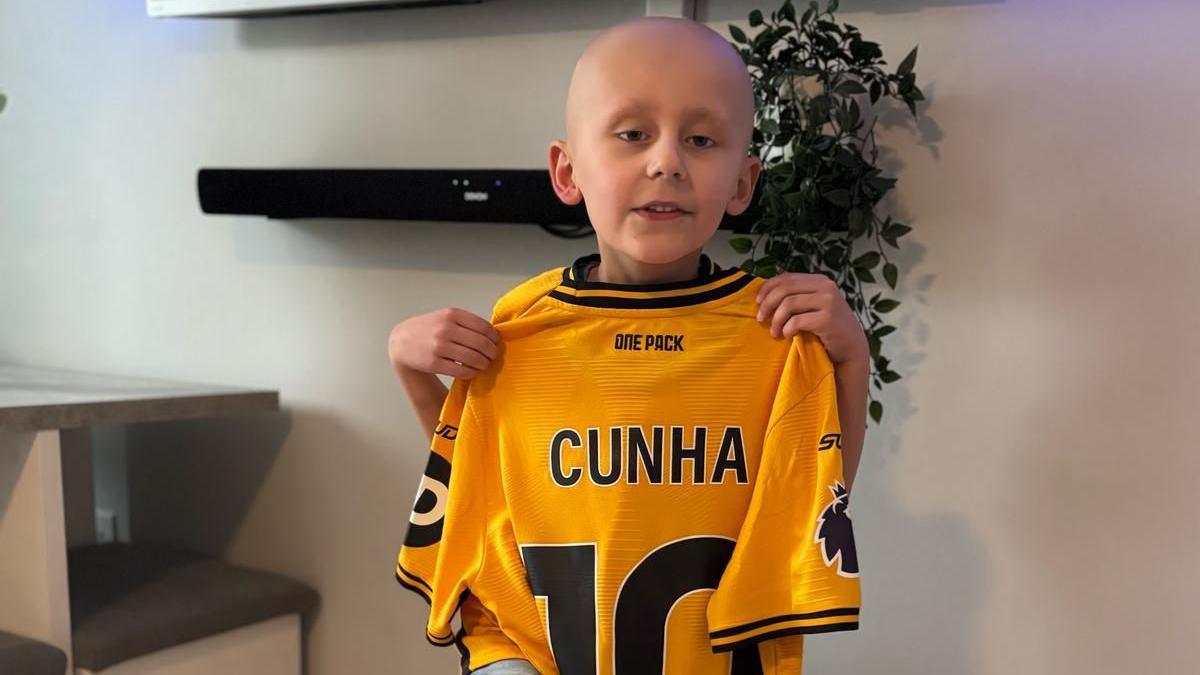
[709,143]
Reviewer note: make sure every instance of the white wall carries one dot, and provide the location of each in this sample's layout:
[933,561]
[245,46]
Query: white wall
[1026,505]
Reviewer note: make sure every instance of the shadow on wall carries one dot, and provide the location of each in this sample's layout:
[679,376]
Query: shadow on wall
[924,574]
[191,482]
[928,568]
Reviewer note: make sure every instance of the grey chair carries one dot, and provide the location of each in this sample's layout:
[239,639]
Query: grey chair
[130,600]
[30,657]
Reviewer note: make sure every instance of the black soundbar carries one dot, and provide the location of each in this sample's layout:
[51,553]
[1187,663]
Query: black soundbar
[451,195]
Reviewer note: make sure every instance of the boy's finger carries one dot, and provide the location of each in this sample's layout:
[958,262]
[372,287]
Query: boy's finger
[795,282]
[791,306]
[771,300]
[803,282]
[764,289]
[478,324]
[456,369]
[465,356]
[798,323]
[475,342]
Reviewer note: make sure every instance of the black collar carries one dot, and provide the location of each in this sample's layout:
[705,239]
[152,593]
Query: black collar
[710,283]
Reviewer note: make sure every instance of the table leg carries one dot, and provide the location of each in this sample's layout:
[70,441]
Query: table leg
[33,545]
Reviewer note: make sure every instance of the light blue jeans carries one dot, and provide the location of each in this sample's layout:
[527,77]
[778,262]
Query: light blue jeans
[507,667]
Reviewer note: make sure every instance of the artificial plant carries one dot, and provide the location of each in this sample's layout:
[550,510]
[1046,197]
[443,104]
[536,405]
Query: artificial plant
[820,185]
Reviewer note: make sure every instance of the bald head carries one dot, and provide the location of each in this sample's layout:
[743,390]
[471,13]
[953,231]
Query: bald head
[645,53]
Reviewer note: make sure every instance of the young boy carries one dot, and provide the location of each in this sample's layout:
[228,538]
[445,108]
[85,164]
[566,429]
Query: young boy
[659,116]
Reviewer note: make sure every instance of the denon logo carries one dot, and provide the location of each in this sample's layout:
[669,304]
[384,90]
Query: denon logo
[471,196]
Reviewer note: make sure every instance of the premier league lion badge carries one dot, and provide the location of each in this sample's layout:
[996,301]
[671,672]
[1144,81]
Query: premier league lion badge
[834,534]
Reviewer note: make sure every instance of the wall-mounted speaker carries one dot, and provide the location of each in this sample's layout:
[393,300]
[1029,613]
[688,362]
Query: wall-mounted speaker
[452,195]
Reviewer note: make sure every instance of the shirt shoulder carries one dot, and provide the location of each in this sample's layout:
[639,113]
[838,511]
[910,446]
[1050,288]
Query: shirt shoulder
[520,298]
[810,361]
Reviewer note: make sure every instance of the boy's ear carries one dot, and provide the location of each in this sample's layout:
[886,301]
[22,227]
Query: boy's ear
[562,174]
[744,191]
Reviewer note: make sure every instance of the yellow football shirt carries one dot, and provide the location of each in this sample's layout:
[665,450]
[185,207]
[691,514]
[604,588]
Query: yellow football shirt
[643,476]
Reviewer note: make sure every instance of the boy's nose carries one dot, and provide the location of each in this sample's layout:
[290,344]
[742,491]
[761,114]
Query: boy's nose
[667,162]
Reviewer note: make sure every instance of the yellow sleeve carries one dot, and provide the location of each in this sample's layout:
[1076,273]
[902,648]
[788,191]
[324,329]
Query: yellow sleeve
[794,569]
[443,548]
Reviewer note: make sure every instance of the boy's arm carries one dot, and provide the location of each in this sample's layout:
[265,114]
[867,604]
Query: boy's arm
[426,393]
[852,377]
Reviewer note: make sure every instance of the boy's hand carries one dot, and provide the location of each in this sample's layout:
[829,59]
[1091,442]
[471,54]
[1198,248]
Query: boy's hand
[447,341]
[795,301]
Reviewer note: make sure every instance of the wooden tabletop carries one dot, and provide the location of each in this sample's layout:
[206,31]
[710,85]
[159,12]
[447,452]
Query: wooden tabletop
[33,398]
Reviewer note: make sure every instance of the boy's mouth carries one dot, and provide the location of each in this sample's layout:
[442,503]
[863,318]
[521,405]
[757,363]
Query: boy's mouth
[661,210]
[660,215]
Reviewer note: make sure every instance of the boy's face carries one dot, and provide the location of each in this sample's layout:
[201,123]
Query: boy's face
[657,111]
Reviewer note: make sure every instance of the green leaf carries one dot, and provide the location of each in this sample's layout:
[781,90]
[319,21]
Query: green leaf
[867,260]
[854,219]
[908,63]
[832,7]
[876,91]
[889,274]
[828,42]
[809,13]
[738,35]
[765,270]
[3,102]
[876,411]
[839,197]
[788,11]
[896,230]
[843,156]
[884,331]
[780,249]
[889,376]
[855,115]
[864,274]
[864,51]
[756,18]
[885,306]
[847,87]
[741,244]
[859,228]
[832,256]
[881,184]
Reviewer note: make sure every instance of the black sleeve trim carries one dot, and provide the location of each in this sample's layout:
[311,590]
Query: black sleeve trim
[734,630]
[424,584]
[415,589]
[465,661]
[446,643]
[824,628]
[435,640]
